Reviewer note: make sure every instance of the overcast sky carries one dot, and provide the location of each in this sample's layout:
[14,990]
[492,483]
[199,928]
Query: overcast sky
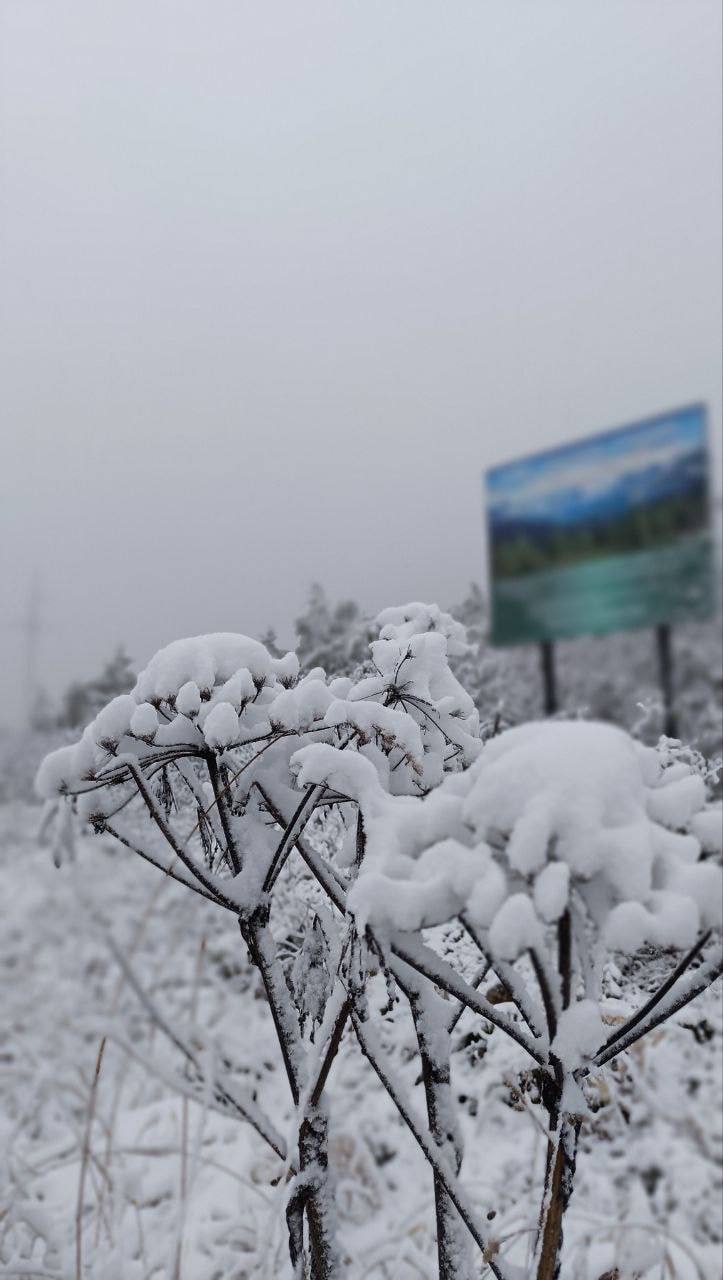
[280,280]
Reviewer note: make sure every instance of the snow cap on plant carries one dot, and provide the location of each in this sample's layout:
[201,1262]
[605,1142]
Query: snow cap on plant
[207,692]
[412,676]
[223,693]
[401,622]
[551,813]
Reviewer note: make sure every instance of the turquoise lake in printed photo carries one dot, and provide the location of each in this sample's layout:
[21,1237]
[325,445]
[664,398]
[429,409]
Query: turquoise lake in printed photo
[605,534]
[636,589]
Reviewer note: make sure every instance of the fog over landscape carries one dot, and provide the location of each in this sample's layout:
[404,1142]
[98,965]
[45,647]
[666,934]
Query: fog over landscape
[280,282]
[361,694]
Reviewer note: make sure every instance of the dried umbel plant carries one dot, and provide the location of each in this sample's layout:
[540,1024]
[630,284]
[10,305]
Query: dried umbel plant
[551,844]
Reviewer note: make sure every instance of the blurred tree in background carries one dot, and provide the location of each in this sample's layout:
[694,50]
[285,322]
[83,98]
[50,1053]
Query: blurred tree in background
[335,638]
[84,698]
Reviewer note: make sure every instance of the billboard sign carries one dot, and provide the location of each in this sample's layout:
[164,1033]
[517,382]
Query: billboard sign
[608,533]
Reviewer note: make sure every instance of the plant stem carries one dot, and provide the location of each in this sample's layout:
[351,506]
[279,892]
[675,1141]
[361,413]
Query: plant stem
[559,1183]
[433,1041]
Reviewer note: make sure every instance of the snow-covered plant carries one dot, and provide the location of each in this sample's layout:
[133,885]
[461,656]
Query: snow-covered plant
[191,770]
[563,843]
[552,845]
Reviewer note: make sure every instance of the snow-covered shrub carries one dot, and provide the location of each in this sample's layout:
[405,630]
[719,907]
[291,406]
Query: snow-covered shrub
[553,845]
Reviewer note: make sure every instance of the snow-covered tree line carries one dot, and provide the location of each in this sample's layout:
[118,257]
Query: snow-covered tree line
[552,845]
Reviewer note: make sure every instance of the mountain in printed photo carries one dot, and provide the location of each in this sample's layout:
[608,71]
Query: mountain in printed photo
[636,510]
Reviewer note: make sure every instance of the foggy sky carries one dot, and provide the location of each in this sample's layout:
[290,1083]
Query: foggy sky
[280,280]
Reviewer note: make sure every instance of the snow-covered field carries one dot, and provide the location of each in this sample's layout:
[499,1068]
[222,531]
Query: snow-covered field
[415,943]
[114,1165]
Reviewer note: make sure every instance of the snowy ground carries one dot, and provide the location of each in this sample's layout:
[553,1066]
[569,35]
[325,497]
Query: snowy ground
[169,1189]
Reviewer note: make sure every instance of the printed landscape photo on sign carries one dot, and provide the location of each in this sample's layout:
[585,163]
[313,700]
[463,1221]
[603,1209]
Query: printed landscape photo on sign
[605,534]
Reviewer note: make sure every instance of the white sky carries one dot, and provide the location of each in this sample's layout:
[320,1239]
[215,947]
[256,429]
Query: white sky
[280,280]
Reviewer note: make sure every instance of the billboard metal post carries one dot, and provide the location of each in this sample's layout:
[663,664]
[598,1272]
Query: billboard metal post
[547,656]
[665,669]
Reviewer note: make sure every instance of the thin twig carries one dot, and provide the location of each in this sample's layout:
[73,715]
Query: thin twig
[435,1159]
[84,1162]
[663,990]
